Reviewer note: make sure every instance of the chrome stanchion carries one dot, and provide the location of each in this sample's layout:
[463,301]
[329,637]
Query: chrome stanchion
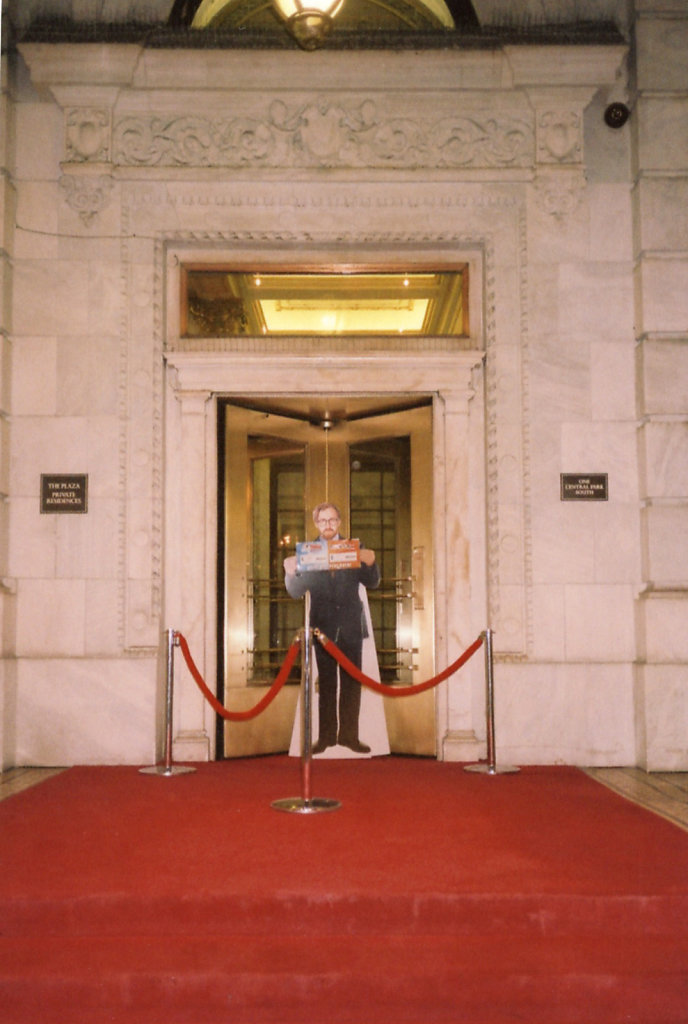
[168,768]
[491,768]
[306,804]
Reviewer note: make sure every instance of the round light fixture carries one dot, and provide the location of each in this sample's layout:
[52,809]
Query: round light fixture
[309,21]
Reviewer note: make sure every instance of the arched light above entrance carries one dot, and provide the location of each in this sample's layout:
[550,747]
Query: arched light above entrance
[311,21]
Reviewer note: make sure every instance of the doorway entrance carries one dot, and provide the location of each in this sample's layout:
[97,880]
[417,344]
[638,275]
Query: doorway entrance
[279,457]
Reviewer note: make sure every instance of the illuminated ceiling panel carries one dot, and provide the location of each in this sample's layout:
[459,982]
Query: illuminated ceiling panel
[220,303]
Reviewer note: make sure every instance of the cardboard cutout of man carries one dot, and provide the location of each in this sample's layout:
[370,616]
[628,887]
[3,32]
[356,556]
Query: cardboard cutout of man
[336,610]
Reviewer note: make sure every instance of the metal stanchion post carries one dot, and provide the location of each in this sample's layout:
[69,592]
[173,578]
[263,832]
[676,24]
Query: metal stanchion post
[491,767]
[168,768]
[306,804]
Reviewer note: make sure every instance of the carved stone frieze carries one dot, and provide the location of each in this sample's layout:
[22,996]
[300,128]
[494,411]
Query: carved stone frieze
[323,133]
[87,194]
[87,135]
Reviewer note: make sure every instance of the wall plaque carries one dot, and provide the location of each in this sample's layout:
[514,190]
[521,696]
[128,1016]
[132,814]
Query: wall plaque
[584,487]
[64,492]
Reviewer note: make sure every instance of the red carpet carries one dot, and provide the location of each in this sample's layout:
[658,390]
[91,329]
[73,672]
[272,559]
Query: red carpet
[431,895]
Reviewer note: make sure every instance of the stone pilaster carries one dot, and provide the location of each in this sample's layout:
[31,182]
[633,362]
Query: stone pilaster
[7,220]
[661,254]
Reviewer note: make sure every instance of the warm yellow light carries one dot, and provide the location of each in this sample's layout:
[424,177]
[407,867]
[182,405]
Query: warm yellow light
[309,21]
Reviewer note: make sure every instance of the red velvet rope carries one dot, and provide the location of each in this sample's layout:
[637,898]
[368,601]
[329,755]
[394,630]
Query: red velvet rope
[240,716]
[395,691]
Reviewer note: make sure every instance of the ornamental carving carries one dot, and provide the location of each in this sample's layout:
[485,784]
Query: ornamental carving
[87,195]
[559,137]
[320,133]
[87,135]
[559,192]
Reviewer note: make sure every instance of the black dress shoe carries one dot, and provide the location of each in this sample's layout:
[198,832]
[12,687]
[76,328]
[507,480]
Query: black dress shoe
[355,745]
[321,745]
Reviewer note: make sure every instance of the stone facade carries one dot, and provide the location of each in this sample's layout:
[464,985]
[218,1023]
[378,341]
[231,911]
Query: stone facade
[121,162]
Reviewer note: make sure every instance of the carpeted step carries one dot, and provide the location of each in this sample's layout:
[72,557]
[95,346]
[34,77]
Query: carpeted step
[441,913]
[341,980]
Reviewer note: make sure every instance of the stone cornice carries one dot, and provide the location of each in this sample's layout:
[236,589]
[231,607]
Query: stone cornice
[133,65]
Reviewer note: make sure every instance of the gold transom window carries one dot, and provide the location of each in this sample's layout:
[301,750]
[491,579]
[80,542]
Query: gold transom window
[221,303]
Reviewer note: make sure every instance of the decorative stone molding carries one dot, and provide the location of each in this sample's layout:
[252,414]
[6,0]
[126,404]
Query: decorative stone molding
[149,428]
[87,194]
[559,136]
[323,133]
[87,134]
[559,192]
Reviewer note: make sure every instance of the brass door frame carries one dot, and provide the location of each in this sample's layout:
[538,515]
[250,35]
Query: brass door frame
[411,721]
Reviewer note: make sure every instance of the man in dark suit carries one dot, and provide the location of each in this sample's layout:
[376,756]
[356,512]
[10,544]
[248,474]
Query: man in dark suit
[336,610]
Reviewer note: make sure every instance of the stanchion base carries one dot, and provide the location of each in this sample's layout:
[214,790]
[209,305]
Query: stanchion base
[491,769]
[297,805]
[161,769]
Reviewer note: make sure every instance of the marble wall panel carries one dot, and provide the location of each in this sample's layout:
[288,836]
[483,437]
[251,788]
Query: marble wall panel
[39,141]
[603,448]
[83,542]
[617,541]
[666,636]
[102,617]
[104,297]
[666,459]
[610,223]
[7,133]
[549,713]
[5,457]
[32,551]
[116,712]
[612,380]
[8,212]
[662,213]
[600,623]
[663,294]
[46,445]
[50,618]
[87,375]
[607,150]
[559,380]
[595,301]
[6,284]
[37,235]
[666,539]
[102,459]
[5,372]
[563,542]
[662,44]
[34,376]
[665,702]
[543,299]
[662,140]
[545,464]
[662,374]
[51,298]
[549,621]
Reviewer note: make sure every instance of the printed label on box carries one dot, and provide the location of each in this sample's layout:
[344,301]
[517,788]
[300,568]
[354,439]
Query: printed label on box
[320,555]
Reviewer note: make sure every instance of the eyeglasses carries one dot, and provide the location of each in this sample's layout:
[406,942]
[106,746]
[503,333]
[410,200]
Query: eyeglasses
[327,522]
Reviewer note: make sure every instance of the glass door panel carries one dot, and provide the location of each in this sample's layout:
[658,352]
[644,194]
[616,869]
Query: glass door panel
[378,470]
